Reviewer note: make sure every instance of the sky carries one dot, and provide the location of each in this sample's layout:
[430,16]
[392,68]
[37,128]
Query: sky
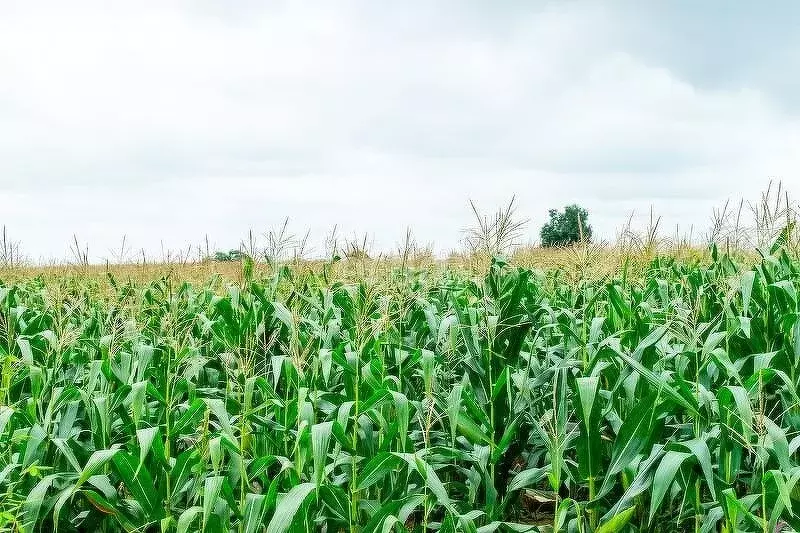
[165,122]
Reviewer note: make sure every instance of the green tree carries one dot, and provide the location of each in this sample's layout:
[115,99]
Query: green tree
[566,227]
[232,255]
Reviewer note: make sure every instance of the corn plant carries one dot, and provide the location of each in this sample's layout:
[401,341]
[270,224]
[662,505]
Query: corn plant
[405,400]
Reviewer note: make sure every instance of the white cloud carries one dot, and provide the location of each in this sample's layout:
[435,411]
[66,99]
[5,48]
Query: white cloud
[170,121]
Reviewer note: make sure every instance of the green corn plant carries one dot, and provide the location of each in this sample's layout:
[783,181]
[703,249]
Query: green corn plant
[662,398]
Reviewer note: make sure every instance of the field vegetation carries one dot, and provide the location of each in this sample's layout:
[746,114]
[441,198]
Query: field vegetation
[637,387]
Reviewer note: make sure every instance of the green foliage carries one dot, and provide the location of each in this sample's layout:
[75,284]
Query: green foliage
[566,227]
[231,255]
[414,401]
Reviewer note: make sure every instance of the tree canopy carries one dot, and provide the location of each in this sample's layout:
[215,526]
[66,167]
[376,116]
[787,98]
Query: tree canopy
[566,227]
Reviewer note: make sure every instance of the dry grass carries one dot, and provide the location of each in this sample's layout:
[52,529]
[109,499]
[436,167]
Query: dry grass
[591,261]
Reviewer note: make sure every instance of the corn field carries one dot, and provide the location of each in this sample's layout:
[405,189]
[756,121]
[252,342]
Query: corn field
[658,400]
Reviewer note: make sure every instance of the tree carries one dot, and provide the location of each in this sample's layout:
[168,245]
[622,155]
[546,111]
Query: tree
[232,255]
[567,227]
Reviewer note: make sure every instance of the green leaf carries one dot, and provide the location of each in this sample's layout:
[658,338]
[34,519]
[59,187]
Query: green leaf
[336,499]
[663,478]
[376,468]
[68,454]
[145,438]
[588,445]
[183,468]
[137,397]
[699,448]
[25,350]
[712,341]
[526,478]
[187,517]
[33,502]
[284,315]
[139,483]
[211,490]
[784,493]
[747,289]
[653,337]
[288,507]
[217,406]
[254,510]
[190,419]
[660,384]
[778,443]
[432,480]
[454,408]
[617,522]
[95,462]
[509,436]
[320,437]
[471,430]
[6,413]
[637,431]
[36,437]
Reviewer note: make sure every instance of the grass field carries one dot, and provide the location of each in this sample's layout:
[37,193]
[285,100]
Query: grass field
[579,390]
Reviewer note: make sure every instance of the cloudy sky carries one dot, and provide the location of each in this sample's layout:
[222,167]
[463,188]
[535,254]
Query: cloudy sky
[167,121]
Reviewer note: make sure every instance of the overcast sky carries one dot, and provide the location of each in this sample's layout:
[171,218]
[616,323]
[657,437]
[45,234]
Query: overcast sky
[166,121]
